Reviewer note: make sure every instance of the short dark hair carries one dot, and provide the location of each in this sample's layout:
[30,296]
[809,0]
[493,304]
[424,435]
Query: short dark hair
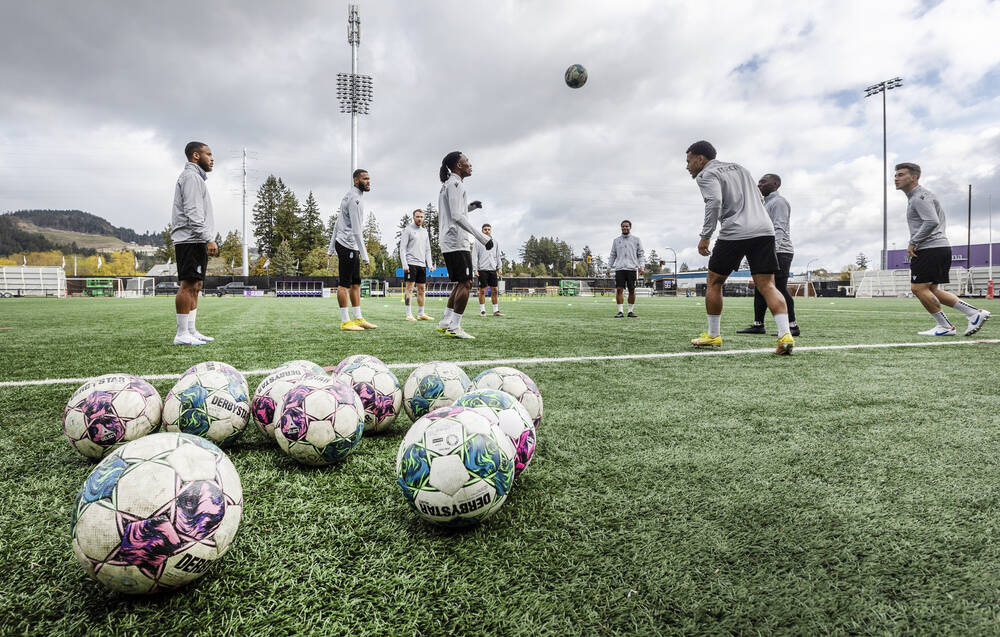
[358,173]
[626,221]
[448,164]
[911,167]
[485,226]
[702,148]
[776,178]
[192,148]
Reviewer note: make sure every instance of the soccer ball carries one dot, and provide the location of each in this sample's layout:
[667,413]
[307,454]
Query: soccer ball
[576,76]
[320,420]
[270,392]
[210,400]
[156,512]
[433,385]
[108,411]
[350,360]
[517,384]
[455,466]
[379,390]
[513,417]
[310,366]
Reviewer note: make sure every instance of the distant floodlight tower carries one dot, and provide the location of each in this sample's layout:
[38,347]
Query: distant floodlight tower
[353,90]
[875,89]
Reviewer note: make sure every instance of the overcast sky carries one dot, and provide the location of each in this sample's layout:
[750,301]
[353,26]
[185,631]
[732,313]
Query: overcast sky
[99,98]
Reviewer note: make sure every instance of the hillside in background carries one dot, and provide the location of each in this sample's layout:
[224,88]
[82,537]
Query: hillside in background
[78,221]
[69,231]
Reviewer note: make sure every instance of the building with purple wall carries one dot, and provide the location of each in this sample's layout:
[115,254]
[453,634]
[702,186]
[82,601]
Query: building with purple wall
[898,260]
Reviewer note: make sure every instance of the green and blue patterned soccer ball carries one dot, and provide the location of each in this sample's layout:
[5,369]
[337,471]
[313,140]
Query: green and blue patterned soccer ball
[350,360]
[320,420]
[576,76]
[517,384]
[455,466]
[211,400]
[514,421]
[310,366]
[378,388]
[108,411]
[432,385]
[156,513]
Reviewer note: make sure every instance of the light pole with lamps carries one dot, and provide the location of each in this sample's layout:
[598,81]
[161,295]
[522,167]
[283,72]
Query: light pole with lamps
[676,279]
[353,89]
[809,275]
[875,89]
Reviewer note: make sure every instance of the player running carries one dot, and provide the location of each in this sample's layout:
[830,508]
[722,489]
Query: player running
[487,266]
[454,230]
[349,246]
[733,201]
[415,256]
[626,257]
[930,255]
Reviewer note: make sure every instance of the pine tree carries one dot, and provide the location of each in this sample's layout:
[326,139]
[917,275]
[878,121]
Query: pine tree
[310,229]
[431,223]
[328,231]
[269,197]
[653,263]
[404,221]
[283,261]
[231,250]
[166,251]
[378,254]
[286,219]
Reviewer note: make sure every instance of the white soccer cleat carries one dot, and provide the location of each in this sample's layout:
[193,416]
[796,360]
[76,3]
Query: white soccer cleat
[976,323]
[459,333]
[937,330]
[187,339]
[201,337]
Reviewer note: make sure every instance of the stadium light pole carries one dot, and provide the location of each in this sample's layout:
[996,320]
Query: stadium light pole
[676,280]
[875,89]
[246,228]
[353,90]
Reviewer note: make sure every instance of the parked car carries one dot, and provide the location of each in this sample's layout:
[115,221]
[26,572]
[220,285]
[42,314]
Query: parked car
[166,287]
[233,287]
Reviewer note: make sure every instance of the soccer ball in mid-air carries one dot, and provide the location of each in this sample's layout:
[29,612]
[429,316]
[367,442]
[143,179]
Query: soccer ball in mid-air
[108,411]
[210,400]
[309,366]
[433,385]
[156,513]
[576,76]
[319,421]
[378,389]
[514,421]
[455,466]
[350,360]
[517,384]
[270,392]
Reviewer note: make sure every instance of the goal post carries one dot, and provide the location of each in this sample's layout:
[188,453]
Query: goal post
[138,286]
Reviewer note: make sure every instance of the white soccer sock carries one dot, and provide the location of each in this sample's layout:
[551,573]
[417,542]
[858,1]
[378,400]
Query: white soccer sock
[357,311]
[344,316]
[420,310]
[621,308]
[456,321]
[446,319]
[496,307]
[942,320]
[482,307]
[182,324]
[965,308]
[714,324]
[409,310]
[782,321]
[631,306]
[191,318]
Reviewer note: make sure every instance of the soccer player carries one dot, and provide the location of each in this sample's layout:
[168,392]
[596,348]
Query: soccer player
[626,257]
[349,246]
[930,255]
[193,233]
[733,202]
[780,212]
[415,255]
[486,263]
[454,229]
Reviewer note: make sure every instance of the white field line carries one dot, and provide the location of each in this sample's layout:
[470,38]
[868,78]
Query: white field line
[563,359]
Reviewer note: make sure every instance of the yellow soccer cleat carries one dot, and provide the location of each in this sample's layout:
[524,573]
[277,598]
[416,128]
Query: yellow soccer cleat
[361,322]
[785,345]
[351,326]
[704,340]
[424,317]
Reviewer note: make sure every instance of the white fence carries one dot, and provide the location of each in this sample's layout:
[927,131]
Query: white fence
[18,280]
[871,283]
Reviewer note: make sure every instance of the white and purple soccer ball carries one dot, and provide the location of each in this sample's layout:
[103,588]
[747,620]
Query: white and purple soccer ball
[309,366]
[513,418]
[350,360]
[271,391]
[320,421]
[211,400]
[156,513]
[517,384]
[433,385]
[108,411]
[379,390]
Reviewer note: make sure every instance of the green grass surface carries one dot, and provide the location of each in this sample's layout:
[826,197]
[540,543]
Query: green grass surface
[844,491]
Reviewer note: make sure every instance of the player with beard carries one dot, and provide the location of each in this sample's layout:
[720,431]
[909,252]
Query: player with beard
[348,244]
[415,257]
[625,258]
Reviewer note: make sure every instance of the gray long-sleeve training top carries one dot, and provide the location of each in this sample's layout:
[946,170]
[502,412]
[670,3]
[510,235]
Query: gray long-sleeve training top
[733,201]
[780,213]
[347,230]
[626,253]
[415,246]
[487,260]
[454,227]
[192,220]
[926,220]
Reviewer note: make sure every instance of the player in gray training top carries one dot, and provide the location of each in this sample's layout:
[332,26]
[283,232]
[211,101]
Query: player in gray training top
[454,229]
[780,212]
[626,257]
[349,246]
[193,233]
[486,264]
[733,201]
[930,255]
[415,257]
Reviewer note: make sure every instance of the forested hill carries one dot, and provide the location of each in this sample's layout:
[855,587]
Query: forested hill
[80,221]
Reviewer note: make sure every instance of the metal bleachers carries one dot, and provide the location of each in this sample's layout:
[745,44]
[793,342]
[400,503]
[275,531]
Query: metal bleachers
[875,283]
[32,281]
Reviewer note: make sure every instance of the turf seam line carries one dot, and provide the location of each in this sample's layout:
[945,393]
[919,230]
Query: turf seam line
[565,359]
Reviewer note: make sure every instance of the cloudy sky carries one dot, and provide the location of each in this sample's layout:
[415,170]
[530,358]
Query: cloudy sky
[98,100]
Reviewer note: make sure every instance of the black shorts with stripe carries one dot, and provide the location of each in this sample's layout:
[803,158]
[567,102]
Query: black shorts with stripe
[931,265]
[459,265]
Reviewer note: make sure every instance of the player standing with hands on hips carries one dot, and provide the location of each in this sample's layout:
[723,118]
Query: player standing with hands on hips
[486,262]
[193,232]
[625,258]
[349,246]
[415,257]
[454,229]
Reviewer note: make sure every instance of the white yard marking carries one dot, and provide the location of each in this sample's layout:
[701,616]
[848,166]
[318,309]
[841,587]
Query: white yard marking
[565,359]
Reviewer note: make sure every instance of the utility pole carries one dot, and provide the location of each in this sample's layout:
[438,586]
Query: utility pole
[353,90]
[875,89]
[989,284]
[246,230]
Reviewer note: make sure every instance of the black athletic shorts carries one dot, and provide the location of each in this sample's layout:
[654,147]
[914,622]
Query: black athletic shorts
[192,260]
[487,278]
[350,266]
[931,265]
[759,251]
[785,264]
[417,274]
[625,279]
[459,265]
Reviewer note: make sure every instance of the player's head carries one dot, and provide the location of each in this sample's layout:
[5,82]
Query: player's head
[626,226]
[487,229]
[199,153]
[699,154]
[907,176]
[455,162]
[768,184]
[418,217]
[361,180]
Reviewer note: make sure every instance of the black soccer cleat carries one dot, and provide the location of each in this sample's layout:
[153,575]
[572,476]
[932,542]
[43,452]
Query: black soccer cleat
[793,330]
[620,315]
[753,329]
[633,315]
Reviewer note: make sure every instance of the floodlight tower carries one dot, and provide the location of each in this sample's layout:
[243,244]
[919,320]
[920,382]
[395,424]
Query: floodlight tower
[246,228]
[353,90]
[875,89]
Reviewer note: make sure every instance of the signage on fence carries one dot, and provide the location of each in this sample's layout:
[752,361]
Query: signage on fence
[253,292]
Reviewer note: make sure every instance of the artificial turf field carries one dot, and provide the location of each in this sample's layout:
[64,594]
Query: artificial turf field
[833,491]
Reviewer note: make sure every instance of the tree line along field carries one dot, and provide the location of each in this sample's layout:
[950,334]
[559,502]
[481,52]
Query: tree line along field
[846,490]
